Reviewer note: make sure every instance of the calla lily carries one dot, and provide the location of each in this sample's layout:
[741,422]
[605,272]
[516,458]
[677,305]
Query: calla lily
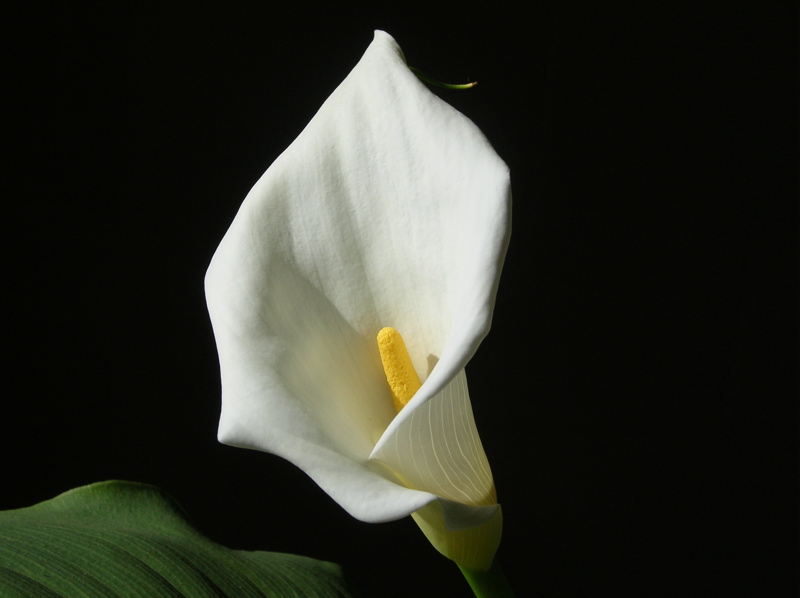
[390,209]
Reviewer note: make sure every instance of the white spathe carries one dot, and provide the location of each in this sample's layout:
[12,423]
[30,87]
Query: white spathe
[390,209]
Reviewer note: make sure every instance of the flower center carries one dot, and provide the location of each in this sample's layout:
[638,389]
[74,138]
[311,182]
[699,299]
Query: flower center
[400,373]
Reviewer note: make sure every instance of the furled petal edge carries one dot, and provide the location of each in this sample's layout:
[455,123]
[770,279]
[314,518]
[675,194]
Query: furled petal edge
[437,449]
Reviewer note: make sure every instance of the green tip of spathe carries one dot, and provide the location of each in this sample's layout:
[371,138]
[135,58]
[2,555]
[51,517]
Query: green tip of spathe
[431,81]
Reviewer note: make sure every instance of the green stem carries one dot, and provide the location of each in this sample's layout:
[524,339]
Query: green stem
[431,81]
[489,584]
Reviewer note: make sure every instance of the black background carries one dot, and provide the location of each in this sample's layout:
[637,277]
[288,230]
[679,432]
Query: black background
[637,396]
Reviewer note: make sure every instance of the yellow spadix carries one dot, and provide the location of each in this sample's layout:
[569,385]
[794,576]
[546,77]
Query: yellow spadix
[400,373]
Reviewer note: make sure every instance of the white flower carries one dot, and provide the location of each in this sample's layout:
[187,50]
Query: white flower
[390,209]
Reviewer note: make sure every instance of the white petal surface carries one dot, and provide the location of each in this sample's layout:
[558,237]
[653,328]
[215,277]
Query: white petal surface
[437,449]
[389,209]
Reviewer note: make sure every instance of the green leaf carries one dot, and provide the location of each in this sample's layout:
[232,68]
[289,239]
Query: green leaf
[129,539]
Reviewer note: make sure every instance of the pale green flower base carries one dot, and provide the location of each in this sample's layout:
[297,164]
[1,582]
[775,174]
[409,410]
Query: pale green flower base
[473,548]
[489,584]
